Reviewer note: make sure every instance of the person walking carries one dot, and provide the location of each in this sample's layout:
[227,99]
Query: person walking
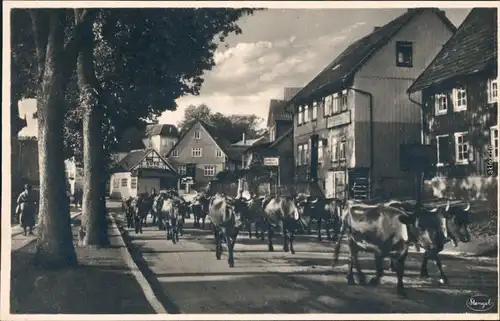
[26,209]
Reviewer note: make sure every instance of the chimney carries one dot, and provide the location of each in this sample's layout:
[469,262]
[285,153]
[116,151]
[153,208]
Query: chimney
[244,139]
[375,28]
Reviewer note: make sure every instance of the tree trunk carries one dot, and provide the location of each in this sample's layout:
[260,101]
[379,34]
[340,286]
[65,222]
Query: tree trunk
[54,242]
[94,223]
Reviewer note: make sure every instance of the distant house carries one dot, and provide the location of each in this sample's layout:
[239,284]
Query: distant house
[460,108]
[161,137]
[140,171]
[201,152]
[270,164]
[351,119]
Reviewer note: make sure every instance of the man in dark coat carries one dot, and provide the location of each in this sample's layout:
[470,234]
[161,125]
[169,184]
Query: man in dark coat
[26,209]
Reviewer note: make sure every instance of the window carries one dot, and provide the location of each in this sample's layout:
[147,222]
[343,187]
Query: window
[196,135]
[218,153]
[299,116]
[327,105]
[299,155]
[175,153]
[342,150]
[306,113]
[181,170]
[404,54]
[440,104]
[461,148]
[321,105]
[133,183]
[116,183]
[196,152]
[492,91]
[334,149]
[335,103]
[164,142]
[320,151]
[443,150]
[314,111]
[306,154]
[494,143]
[339,183]
[343,101]
[124,182]
[209,170]
[459,99]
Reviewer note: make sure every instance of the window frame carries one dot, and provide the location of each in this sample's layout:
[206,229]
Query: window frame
[211,167]
[326,105]
[335,185]
[464,161]
[174,153]
[193,152]
[335,109]
[116,183]
[333,149]
[489,90]
[437,111]
[218,153]
[492,142]
[342,150]
[197,135]
[320,151]
[314,114]
[182,168]
[438,158]
[306,113]
[455,92]
[399,46]
[299,154]
[343,101]
[124,182]
[133,182]
[299,115]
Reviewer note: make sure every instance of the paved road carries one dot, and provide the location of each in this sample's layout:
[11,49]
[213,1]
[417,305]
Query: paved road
[187,278]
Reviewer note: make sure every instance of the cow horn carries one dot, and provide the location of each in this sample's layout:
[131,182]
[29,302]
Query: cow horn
[316,200]
[434,210]
[447,206]
[467,208]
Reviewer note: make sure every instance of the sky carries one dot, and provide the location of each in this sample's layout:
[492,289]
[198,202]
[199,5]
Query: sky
[278,48]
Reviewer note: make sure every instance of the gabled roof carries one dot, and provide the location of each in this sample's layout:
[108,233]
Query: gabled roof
[219,140]
[472,49]
[161,129]
[136,156]
[277,112]
[343,68]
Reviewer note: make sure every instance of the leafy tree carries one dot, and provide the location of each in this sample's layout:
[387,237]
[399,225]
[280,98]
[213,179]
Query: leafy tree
[231,126]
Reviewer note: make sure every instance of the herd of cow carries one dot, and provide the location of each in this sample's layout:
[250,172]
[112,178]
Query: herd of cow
[386,229]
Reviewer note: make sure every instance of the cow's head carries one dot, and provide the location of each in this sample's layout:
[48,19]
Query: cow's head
[234,208]
[457,221]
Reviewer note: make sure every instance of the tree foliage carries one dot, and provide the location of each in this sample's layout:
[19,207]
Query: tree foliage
[231,127]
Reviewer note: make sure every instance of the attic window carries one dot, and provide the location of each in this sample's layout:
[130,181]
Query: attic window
[196,135]
[404,54]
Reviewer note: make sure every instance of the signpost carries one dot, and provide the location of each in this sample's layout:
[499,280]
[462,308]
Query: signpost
[273,162]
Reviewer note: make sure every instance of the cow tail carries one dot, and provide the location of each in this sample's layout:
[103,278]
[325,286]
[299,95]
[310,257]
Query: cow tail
[336,251]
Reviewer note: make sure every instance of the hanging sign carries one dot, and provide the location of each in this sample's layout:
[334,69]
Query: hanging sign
[271,161]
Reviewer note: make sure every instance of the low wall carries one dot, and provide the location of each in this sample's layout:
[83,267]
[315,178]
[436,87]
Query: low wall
[471,188]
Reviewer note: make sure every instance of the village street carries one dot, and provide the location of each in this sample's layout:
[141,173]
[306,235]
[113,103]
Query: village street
[186,277]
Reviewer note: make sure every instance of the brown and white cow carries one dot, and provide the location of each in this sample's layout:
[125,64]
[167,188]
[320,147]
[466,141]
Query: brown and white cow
[225,216]
[170,213]
[281,211]
[385,231]
[455,227]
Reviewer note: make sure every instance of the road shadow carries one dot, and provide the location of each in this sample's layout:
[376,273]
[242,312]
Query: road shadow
[95,286]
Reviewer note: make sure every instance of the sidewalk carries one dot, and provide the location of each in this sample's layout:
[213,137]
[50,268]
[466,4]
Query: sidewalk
[17,229]
[102,283]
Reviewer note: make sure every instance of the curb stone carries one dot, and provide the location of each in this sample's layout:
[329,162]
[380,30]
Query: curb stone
[143,283]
